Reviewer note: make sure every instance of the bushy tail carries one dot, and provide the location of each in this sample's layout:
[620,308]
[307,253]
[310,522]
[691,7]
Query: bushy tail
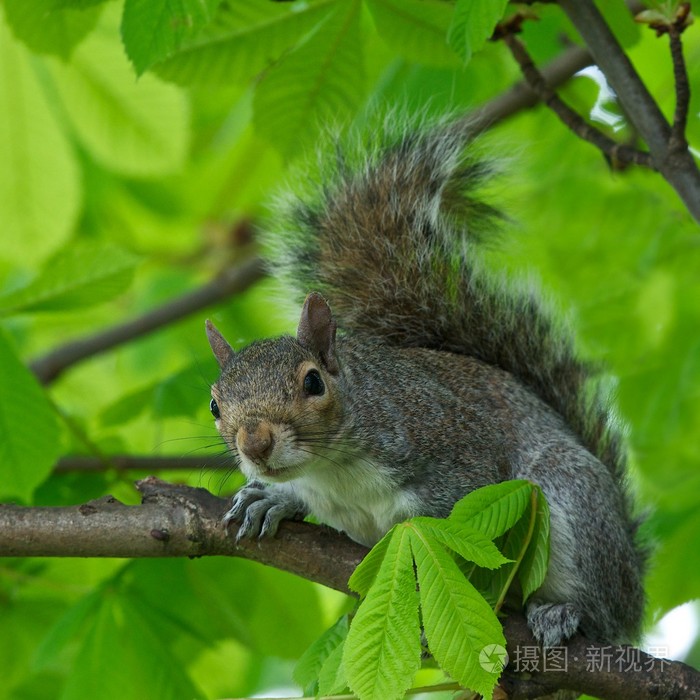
[390,239]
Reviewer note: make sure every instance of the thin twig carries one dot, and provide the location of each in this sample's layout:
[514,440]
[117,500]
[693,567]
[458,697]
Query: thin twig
[131,463]
[677,167]
[616,153]
[522,96]
[232,281]
[678,141]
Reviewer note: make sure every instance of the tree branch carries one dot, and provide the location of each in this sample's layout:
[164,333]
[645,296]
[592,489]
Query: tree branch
[173,521]
[522,96]
[680,76]
[232,281]
[677,166]
[183,521]
[615,152]
[604,671]
[150,464]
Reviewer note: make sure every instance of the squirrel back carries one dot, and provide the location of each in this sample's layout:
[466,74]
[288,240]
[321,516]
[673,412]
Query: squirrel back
[391,238]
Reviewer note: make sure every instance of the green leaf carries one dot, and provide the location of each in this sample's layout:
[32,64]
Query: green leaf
[80,275]
[382,650]
[77,4]
[309,666]
[473,24]
[132,127]
[111,661]
[244,38]
[459,624]
[416,29]
[39,179]
[468,543]
[153,29]
[45,28]
[366,571]
[533,567]
[67,628]
[183,393]
[331,678]
[29,430]
[493,509]
[319,82]
[127,408]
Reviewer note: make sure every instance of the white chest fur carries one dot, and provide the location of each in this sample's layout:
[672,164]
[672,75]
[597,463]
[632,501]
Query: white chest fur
[355,497]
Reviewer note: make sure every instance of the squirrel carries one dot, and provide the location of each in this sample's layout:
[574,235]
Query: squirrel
[417,376]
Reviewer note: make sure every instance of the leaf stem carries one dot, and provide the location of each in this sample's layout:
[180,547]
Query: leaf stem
[521,553]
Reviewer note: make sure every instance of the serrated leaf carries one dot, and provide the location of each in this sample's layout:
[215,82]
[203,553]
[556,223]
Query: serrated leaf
[133,127]
[416,29]
[244,38]
[473,24]
[493,509]
[39,179]
[459,624]
[533,567]
[153,29]
[532,562]
[316,84]
[382,650]
[366,571]
[29,430]
[309,666]
[331,678]
[46,28]
[80,275]
[470,544]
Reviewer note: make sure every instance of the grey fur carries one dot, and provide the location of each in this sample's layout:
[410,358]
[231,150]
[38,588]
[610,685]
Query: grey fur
[441,381]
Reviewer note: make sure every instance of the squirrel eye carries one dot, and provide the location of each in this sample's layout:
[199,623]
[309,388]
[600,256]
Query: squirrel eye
[313,384]
[214,408]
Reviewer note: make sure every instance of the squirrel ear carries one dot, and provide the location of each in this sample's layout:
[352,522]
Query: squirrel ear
[316,331]
[222,350]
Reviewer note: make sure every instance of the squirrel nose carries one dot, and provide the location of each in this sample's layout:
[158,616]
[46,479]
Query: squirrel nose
[256,443]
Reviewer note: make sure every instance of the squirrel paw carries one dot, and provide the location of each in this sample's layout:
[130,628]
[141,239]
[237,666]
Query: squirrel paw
[260,511]
[552,623]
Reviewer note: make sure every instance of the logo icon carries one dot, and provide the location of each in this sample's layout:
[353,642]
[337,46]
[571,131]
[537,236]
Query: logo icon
[493,658]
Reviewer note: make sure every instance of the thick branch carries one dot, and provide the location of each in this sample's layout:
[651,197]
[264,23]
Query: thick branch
[677,166]
[604,671]
[183,521]
[49,367]
[173,521]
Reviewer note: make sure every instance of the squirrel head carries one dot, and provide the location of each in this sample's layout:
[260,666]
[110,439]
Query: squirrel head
[277,401]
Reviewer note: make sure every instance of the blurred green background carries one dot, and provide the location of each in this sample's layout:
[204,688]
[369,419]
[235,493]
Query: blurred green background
[140,143]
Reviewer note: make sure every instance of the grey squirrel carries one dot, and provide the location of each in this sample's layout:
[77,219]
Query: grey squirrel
[440,379]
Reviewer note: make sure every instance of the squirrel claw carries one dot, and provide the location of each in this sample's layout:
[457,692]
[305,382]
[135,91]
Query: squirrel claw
[260,511]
